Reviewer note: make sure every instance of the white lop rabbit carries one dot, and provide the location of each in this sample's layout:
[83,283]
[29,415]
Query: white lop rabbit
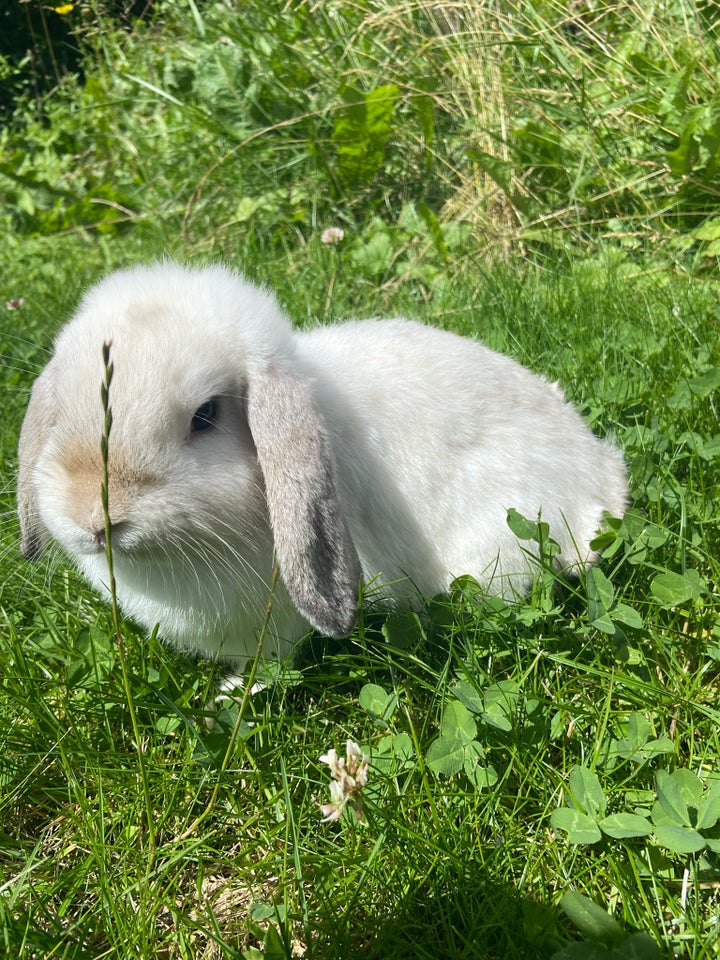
[378,450]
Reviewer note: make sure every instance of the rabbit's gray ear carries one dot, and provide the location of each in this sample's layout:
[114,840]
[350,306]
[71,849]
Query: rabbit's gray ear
[315,552]
[39,419]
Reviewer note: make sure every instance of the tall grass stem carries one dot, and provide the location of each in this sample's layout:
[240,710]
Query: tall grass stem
[127,687]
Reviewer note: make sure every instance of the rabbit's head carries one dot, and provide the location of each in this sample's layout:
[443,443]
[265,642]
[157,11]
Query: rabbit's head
[217,460]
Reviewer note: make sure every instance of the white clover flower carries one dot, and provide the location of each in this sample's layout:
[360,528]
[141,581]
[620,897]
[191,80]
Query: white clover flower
[331,759]
[334,809]
[332,235]
[350,775]
[357,763]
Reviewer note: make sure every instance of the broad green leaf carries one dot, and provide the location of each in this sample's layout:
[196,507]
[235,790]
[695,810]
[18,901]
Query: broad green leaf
[708,809]
[393,753]
[380,104]
[375,256]
[705,383]
[467,694]
[458,236]
[623,825]
[592,920]
[690,785]
[482,777]
[362,130]
[660,816]
[498,719]
[641,536]
[701,386]
[602,621]
[247,206]
[97,652]
[403,630]
[457,723]
[91,642]
[655,748]
[167,725]
[600,589]
[377,702]
[680,160]
[635,745]
[584,787]
[638,729]
[710,449]
[671,798]
[25,202]
[274,947]
[601,595]
[679,839]
[474,752]
[579,827]
[622,748]
[539,920]
[504,694]
[672,589]
[604,540]
[627,615]
[500,702]
[682,398]
[536,530]
[523,528]
[446,756]
[260,912]
[402,746]
[478,774]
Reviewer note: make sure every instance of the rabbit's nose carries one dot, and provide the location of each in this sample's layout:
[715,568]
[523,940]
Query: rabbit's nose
[99,537]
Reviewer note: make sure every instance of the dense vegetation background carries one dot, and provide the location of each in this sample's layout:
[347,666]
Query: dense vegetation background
[544,777]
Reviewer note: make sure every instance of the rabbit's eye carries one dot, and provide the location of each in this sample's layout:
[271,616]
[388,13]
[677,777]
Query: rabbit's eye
[205,416]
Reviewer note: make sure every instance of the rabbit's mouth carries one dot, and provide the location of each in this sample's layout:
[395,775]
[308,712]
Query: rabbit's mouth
[93,543]
[194,549]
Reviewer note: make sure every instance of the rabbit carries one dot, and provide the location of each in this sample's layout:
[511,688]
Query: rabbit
[381,452]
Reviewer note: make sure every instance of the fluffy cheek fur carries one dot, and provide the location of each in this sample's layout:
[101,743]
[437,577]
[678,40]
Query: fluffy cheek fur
[193,554]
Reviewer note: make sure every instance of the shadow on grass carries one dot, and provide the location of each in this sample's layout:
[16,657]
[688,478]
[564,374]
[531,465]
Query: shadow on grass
[454,910]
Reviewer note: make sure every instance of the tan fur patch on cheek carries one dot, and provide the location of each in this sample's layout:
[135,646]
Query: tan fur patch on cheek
[83,477]
[80,462]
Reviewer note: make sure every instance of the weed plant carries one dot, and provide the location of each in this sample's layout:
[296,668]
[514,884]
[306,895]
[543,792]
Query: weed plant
[544,776]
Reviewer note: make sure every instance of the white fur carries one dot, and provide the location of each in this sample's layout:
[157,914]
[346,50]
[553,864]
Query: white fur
[429,439]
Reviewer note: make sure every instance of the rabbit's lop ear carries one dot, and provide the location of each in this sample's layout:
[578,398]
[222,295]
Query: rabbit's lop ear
[38,422]
[315,552]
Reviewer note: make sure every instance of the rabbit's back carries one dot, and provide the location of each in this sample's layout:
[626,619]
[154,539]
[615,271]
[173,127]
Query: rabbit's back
[436,437]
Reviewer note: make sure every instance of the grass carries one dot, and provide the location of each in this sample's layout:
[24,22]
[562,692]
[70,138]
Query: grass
[544,777]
